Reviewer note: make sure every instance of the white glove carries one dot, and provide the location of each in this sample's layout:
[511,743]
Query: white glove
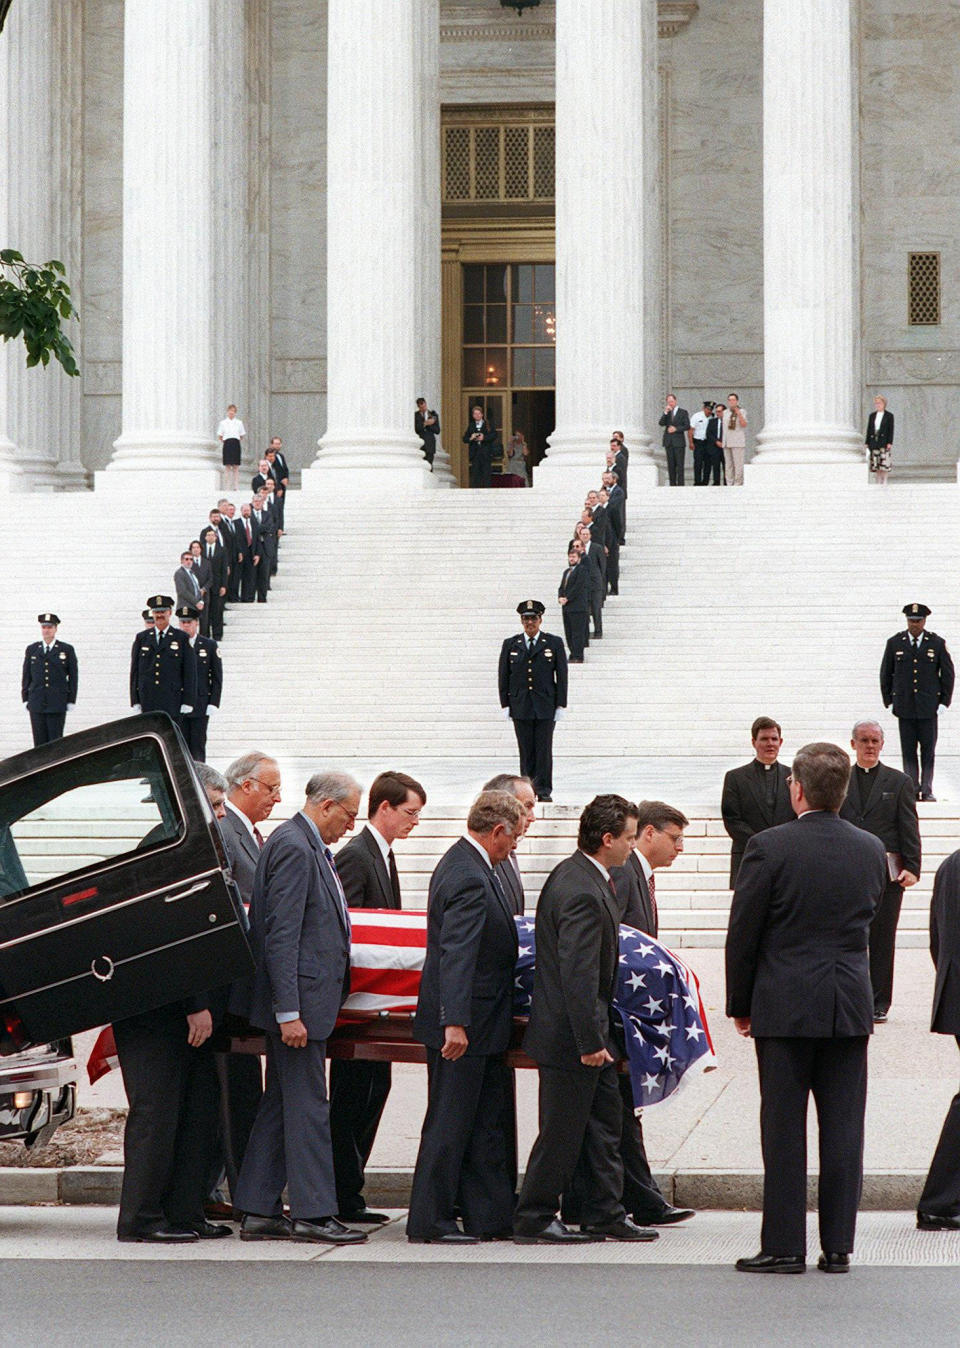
[185,708]
[559,714]
[136,707]
[505,713]
[71,706]
[211,709]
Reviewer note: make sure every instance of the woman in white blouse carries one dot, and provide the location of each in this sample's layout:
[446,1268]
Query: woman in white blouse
[879,440]
[230,433]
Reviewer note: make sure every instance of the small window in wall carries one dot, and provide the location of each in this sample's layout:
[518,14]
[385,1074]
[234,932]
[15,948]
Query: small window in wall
[923,281]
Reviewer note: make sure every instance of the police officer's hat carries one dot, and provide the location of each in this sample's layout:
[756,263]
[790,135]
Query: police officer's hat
[916,610]
[147,613]
[48,618]
[158,602]
[531,608]
[186,611]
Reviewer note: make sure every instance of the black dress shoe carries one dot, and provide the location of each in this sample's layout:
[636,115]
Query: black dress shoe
[772,1263]
[932,1221]
[328,1231]
[625,1229]
[365,1217]
[505,1234]
[546,798]
[445,1238]
[928,795]
[554,1233]
[880,1017]
[666,1217]
[254,1227]
[163,1234]
[833,1263]
[211,1230]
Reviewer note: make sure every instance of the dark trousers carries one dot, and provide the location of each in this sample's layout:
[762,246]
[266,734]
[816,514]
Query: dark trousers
[289,1143]
[170,1137]
[481,463]
[248,578]
[883,939]
[576,628]
[596,608]
[535,741]
[241,1089]
[642,1196]
[580,1120]
[429,443]
[47,726]
[613,568]
[195,733]
[205,618]
[263,578]
[835,1071]
[701,464]
[358,1093]
[462,1161]
[941,1192]
[713,454]
[675,465]
[919,732]
[216,604]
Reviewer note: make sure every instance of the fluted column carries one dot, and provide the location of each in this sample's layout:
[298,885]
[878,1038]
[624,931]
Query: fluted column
[9,472]
[373,149]
[605,218]
[169,409]
[810,239]
[427,291]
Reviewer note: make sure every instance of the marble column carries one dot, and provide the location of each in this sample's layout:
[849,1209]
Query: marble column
[9,472]
[40,54]
[605,220]
[169,408]
[373,169]
[810,243]
[427,287]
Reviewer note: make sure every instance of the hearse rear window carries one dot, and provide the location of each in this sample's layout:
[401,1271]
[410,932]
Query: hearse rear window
[82,813]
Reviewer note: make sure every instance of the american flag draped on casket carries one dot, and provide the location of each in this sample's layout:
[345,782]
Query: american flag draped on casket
[658,998]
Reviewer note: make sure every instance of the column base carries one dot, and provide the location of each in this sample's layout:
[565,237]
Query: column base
[380,464]
[774,475]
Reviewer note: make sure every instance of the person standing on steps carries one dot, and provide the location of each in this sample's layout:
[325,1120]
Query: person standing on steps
[532,679]
[230,433]
[917,677]
[48,683]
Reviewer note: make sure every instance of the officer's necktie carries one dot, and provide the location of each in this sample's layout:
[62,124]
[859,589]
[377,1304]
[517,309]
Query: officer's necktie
[394,876]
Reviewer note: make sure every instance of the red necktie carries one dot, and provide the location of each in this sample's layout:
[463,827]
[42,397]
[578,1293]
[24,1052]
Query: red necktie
[258,835]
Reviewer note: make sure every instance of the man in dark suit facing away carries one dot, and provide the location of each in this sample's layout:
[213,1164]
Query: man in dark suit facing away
[798,981]
[755,796]
[939,1205]
[464,1017]
[300,936]
[884,802]
[358,1088]
[570,1038]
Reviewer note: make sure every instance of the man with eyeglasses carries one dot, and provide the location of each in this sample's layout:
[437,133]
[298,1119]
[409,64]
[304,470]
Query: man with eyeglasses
[359,1089]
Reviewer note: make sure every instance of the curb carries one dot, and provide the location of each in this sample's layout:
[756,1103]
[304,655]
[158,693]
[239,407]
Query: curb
[726,1190]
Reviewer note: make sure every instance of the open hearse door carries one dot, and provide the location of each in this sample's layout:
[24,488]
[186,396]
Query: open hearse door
[114,893]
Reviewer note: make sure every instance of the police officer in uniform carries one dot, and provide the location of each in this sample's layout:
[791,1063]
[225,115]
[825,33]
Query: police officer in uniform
[533,693]
[917,676]
[48,684]
[163,667]
[209,683]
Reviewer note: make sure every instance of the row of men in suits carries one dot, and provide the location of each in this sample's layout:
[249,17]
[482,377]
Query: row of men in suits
[879,799]
[176,670]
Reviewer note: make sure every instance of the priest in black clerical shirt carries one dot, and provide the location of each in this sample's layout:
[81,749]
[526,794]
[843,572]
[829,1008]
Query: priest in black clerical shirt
[883,801]
[755,796]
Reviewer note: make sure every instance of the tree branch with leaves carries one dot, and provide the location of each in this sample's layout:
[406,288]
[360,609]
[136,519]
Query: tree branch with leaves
[34,303]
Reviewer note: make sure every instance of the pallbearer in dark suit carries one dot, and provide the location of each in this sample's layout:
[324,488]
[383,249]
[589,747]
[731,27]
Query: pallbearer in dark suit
[798,981]
[266,545]
[163,668]
[884,802]
[939,1206]
[217,557]
[755,796]
[249,533]
[532,678]
[300,934]
[209,683]
[464,1017]
[573,596]
[48,682]
[917,677]
[570,1038]
[359,1089]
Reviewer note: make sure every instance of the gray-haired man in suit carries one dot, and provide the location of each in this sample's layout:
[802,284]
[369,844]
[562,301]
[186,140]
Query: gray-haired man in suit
[300,935]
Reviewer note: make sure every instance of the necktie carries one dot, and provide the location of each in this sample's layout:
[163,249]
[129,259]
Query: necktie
[515,867]
[258,836]
[249,534]
[652,889]
[336,879]
[209,553]
[394,877]
[196,583]
[46,649]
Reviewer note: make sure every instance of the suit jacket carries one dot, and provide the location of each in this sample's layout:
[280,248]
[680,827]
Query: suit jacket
[254,549]
[578,918]
[242,851]
[676,439]
[616,512]
[744,808]
[714,436]
[634,895]
[470,966]
[204,574]
[281,470]
[266,533]
[602,530]
[890,813]
[945,946]
[575,586]
[363,873]
[620,468]
[595,560]
[187,591]
[298,933]
[487,429]
[219,566]
[916,682]
[49,682]
[533,684]
[428,434]
[796,951]
[512,885]
[874,441]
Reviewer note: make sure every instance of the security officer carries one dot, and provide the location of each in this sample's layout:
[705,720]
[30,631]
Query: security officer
[209,683]
[163,667]
[48,684]
[533,693]
[917,676]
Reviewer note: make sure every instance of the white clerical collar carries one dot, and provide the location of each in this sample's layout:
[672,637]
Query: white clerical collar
[599,865]
[482,850]
[240,815]
[381,843]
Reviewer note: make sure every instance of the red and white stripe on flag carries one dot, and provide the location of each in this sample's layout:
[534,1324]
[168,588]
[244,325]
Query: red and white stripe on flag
[387,951]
